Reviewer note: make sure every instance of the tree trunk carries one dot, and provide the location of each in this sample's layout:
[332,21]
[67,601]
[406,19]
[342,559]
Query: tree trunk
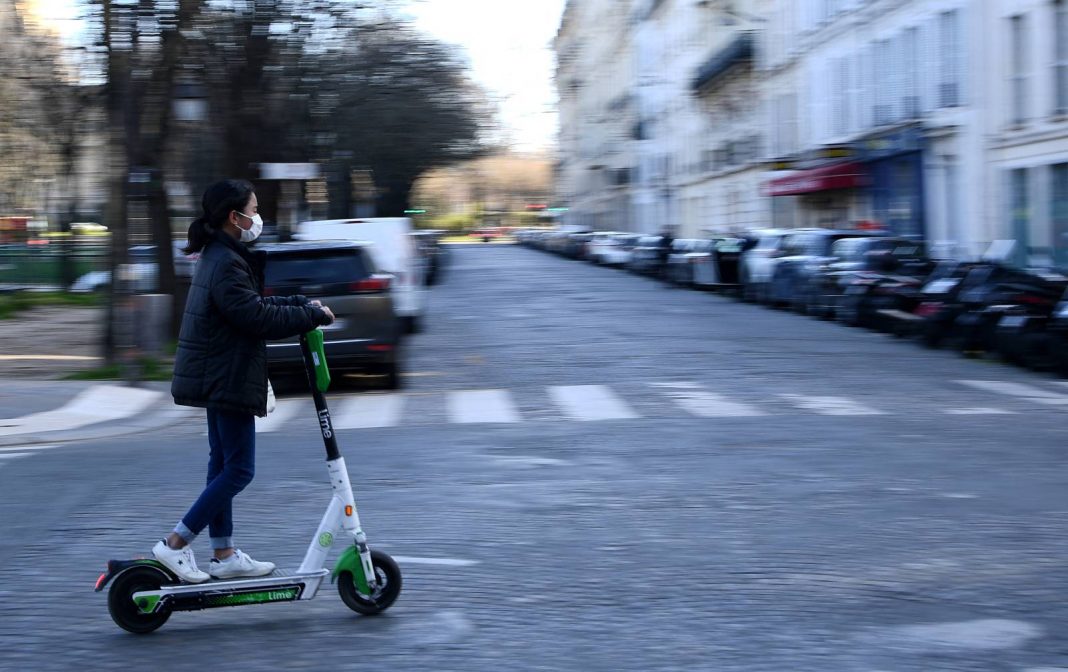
[118,74]
[393,197]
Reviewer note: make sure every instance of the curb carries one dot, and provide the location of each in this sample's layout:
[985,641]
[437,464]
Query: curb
[161,416]
[159,419]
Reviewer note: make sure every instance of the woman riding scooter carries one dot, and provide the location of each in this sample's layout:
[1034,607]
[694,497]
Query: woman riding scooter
[221,365]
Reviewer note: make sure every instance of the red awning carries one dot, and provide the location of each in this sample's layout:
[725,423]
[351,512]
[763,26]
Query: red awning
[836,176]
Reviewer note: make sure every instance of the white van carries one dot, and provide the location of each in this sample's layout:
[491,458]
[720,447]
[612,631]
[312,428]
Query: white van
[394,251]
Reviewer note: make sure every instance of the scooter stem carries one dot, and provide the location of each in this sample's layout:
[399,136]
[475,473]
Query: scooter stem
[315,367]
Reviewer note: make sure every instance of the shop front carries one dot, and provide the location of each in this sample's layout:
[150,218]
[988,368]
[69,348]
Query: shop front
[830,194]
[894,160]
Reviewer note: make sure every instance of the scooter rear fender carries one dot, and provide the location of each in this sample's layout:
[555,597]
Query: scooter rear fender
[116,567]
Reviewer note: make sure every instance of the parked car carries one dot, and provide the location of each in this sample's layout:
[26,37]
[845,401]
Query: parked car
[722,271]
[144,271]
[574,245]
[600,245]
[863,263]
[393,252]
[1007,299]
[435,255]
[1057,336]
[365,334]
[619,255]
[803,254]
[1032,332]
[681,257]
[645,256]
[758,263]
[942,302]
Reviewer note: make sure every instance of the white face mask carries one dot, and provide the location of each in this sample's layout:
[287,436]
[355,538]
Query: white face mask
[251,234]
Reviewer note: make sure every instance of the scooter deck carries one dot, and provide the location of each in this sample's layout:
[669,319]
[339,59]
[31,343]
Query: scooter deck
[279,586]
[277,576]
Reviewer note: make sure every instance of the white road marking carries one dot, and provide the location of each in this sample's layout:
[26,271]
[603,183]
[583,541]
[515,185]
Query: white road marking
[678,385]
[705,404]
[33,447]
[367,411]
[980,410]
[286,410]
[1019,390]
[830,405]
[481,406]
[525,460]
[982,634]
[12,456]
[445,562]
[100,403]
[590,402]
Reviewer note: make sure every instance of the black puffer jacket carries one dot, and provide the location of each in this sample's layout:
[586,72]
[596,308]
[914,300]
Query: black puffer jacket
[221,361]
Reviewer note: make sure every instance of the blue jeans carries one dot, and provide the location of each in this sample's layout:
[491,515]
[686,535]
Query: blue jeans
[231,466]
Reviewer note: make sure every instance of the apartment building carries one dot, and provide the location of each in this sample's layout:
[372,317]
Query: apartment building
[939,119]
[1027,128]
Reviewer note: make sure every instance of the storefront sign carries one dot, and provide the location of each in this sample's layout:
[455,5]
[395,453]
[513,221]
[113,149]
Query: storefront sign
[836,176]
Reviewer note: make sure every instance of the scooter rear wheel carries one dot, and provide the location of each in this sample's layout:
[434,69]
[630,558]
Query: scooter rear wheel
[124,610]
[389,586]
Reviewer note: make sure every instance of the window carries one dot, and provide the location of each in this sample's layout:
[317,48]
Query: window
[910,100]
[1018,69]
[1060,57]
[1020,211]
[949,66]
[882,73]
[841,101]
[1059,213]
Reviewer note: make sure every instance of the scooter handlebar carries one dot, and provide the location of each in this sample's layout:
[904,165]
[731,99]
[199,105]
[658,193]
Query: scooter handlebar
[312,347]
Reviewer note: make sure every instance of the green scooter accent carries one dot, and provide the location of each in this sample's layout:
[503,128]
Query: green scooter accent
[318,353]
[349,561]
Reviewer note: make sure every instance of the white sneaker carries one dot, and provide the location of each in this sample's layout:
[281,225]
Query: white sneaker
[181,562]
[239,564]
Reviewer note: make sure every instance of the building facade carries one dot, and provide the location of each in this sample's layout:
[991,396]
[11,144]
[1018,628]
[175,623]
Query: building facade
[1027,127]
[945,120]
[595,84]
[875,110]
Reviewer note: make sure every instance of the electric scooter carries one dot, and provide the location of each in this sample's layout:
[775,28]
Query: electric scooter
[144,593]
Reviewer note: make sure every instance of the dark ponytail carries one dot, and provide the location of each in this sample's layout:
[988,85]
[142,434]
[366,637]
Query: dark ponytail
[220,199]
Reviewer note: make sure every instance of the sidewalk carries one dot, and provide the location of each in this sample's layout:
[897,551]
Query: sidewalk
[39,348]
[50,343]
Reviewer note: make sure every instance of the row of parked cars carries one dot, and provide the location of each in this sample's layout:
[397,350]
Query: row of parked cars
[710,263]
[862,278]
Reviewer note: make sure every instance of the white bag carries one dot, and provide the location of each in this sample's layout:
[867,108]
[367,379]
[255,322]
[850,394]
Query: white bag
[271,401]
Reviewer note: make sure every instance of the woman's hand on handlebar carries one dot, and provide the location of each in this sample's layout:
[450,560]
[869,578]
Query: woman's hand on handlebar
[329,314]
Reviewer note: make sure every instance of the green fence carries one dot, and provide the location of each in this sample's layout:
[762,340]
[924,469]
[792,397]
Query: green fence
[25,265]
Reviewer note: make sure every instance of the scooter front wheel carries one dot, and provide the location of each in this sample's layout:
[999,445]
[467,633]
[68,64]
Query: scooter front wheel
[388,575]
[124,611]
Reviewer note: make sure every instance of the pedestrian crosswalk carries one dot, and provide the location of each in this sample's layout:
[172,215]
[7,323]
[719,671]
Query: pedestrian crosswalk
[590,402]
[659,399]
[475,406]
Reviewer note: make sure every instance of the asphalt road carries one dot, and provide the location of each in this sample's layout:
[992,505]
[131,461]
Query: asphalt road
[592,471]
